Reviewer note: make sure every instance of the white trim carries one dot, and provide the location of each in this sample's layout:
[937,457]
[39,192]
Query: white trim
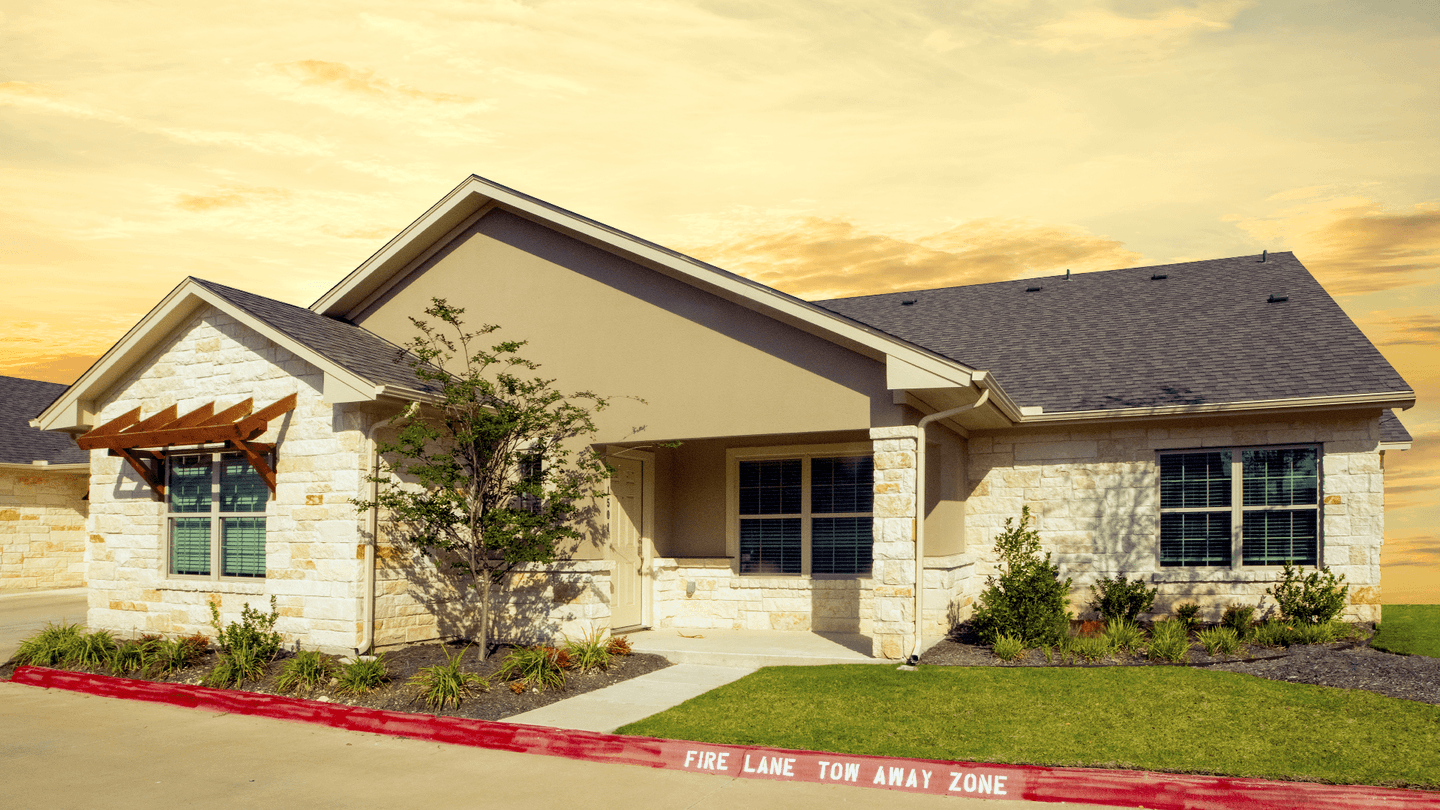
[60,468]
[1394,446]
[1390,399]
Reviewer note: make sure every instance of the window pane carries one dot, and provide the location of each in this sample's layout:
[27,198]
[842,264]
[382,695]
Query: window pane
[190,546]
[241,487]
[770,546]
[189,484]
[242,547]
[1280,477]
[1195,480]
[770,487]
[1275,538]
[842,484]
[1195,538]
[840,545]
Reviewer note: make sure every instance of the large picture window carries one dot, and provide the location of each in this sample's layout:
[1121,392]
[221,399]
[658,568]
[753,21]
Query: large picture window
[216,521]
[1260,506]
[809,514]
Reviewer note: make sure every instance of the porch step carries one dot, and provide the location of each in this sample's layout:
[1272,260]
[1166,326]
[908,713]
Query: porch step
[753,649]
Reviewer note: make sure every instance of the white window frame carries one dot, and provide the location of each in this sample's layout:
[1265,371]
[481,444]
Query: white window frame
[1237,507]
[215,516]
[804,452]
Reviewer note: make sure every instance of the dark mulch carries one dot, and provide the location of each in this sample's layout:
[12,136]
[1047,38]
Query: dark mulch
[402,664]
[1343,664]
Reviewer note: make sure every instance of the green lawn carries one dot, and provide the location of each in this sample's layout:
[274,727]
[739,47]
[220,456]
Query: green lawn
[1158,718]
[1409,629]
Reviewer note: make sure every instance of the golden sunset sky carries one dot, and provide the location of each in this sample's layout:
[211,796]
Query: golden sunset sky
[823,148]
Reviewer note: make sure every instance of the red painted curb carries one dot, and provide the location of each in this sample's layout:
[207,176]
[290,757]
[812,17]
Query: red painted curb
[1161,791]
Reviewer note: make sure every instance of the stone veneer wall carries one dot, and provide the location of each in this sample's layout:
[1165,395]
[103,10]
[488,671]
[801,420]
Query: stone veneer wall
[724,600]
[950,591]
[312,530]
[42,529]
[894,534]
[1095,493]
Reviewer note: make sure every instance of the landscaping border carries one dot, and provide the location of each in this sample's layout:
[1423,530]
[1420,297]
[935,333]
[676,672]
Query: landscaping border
[1163,791]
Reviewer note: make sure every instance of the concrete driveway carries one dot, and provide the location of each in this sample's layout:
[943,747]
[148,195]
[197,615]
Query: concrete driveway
[24,614]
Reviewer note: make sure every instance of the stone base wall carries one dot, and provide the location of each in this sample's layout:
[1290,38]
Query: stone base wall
[894,533]
[42,529]
[541,604]
[720,599]
[949,596]
[1095,495]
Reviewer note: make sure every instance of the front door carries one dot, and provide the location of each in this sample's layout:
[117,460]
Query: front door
[627,542]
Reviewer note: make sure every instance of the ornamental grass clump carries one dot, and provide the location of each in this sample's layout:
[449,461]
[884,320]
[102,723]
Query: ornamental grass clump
[1027,599]
[1121,598]
[591,651]
[49,647]
[1169,641]
[362,675]
[307,670]
[133,655]
[1008,648]
[1124,634]
[93,651]
[538,667]
[171,655]
[443,684]
[1091,648]
[1274,633]
[1219,641]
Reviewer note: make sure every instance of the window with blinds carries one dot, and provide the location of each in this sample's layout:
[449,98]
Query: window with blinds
[216,522]
[819,504]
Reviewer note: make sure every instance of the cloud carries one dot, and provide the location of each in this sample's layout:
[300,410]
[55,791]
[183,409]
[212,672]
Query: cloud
[1422,329]
[56,368]
[818,257]
[230,198]
[1352,244]
[1099,28]
[313,72]
[1412,477]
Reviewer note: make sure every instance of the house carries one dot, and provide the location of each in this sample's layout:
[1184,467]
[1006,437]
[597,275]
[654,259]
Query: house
[842,465]
[44,480]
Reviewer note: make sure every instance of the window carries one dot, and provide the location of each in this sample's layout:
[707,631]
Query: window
[1260,505]
[216,521]
[805,514]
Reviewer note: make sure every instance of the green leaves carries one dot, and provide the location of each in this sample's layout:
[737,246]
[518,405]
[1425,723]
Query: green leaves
[1027,599]
[1313,598]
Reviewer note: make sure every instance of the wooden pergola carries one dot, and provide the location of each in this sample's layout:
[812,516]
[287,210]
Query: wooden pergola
[142,442]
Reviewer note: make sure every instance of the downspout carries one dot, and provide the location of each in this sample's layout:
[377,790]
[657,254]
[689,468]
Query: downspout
[920,512]
[367,593]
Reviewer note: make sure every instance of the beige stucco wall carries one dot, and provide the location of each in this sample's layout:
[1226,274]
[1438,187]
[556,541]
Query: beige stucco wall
[706,367]
[42,529]
[1095,492]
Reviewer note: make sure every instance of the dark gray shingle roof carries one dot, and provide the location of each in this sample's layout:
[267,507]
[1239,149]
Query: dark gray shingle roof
[1204,334]
[345,344]
[20,401]
[1390,428]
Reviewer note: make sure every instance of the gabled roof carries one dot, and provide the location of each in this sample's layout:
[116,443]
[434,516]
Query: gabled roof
[357,364]
[20,401]
[1391,431]
[1190,335]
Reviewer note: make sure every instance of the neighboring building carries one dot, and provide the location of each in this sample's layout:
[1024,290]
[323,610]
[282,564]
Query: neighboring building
[44,480]
[1195,424]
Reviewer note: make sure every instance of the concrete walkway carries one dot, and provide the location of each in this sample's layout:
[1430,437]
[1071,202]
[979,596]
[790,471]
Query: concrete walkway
[704,660]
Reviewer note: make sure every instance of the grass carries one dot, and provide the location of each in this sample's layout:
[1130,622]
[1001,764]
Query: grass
[1410,630]
[1158,718]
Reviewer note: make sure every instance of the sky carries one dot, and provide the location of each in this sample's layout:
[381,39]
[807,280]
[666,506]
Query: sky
[826,149]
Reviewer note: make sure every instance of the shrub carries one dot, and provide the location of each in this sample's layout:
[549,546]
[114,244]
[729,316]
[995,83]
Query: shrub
[1274,634]
[173,655]
[362,674]
[1028,599]
[532,666]
[592,651]
[619,645]
[443,684]
[255,632]
[1222,640]
[1124,635]
[92,651]
[1187,614]
[1321,633]
[1169,641]
[237,665]
[1315,598]
[1008,648]
[132,656]
[1121,598]
[307,670]
[1238,618]
[49,647]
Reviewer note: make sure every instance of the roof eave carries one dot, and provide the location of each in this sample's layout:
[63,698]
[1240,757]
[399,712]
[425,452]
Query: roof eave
[1387,399]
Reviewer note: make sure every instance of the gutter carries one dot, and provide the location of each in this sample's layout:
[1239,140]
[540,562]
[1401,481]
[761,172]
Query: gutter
[920,513]
[367,592]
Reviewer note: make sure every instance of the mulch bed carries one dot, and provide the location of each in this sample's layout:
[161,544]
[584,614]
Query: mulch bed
[1343,664]
[402,664]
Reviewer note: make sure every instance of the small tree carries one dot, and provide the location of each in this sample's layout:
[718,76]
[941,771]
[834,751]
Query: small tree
[499,469]
[1027,600]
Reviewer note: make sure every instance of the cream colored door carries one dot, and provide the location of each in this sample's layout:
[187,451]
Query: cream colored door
[627,542]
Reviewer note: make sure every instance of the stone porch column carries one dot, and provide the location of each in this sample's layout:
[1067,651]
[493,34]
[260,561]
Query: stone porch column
[893,569]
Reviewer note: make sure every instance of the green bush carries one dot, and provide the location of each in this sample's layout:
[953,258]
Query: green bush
[255,632]
[1008,648]
[1091,648]
[1169,641]
[133,655]
[443,684]
[1222,640]
[93,651]
[1238,618]
[49,647]
[1028,599]
[1187,614]
[1274,633]
[1124,635]
[1315,598]
[591,651]
[539,667]
[307,670]
[362,674]
[237,665]
[1121,598]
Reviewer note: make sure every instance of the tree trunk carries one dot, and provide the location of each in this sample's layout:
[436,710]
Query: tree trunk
[483,631]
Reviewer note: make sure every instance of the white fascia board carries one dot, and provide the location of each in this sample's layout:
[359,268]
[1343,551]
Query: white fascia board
[1388,399]
[903,374]
[75,409]
[1394,446]
[44,468]
[475,194]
